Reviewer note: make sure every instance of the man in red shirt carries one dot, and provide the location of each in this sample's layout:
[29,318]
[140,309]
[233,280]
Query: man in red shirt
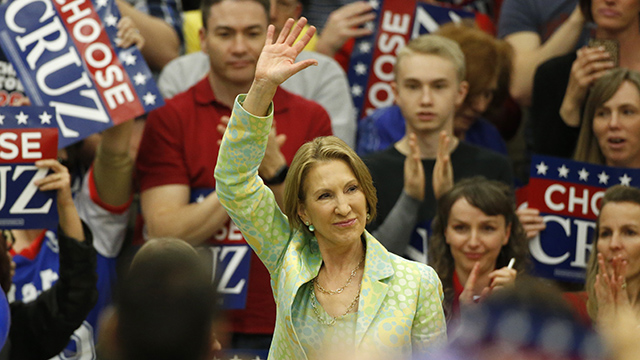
[179,150]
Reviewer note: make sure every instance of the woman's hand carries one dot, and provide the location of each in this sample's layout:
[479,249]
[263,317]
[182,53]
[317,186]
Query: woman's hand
[414,171]
[277,60]
[610,289]
[468,297]
[128,34]
[591,63]
[442,171]
[501,278]
[276,64]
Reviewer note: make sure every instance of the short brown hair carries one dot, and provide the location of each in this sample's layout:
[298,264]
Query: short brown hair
[205,8]
[321,149]
[587,148]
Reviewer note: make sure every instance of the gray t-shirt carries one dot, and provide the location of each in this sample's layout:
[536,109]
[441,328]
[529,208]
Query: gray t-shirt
[542,17]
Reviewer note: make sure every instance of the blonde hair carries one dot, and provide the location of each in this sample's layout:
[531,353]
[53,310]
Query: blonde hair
[430,44]
[587,148]
[322,149]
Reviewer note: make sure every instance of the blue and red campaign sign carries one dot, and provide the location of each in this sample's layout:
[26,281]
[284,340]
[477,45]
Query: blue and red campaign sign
[231,259]
[568,194]
[65,54]
[27,134]
[373,58]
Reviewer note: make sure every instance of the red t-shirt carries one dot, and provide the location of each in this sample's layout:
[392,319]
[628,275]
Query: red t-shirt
[180,146]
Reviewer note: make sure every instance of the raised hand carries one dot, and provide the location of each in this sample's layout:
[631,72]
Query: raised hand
[442,171]
[60,181]
[128,34]
[276,64]
[414,171]
[467,296]
[343,24]
[590,64]
[277,60]
[531,221]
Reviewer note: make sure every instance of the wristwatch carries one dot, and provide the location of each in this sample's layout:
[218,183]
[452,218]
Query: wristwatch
[279,177]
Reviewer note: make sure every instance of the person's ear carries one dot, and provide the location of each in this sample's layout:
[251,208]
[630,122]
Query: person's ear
[507,235]
[202,34]
[463,89]
[302,213]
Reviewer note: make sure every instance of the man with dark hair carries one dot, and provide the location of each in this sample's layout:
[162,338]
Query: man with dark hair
[166,307]
[179,150]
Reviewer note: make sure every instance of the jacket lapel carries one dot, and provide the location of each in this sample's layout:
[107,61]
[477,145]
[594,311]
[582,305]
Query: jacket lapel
[377,271]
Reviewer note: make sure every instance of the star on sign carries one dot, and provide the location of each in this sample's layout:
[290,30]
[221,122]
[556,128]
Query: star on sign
[374,4]
[200,199]
[149,99]
[365,47]
[603,178]
[356,90]
[110,20]
[625,180]
[360,68]
[1,119]
[22,118]
[128,58]
[584,174]
[563,171]
[101,3]
[140,79]
[542,168]
[370,26]
[45,118]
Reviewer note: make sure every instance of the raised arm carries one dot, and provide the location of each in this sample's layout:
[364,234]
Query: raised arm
[530,52]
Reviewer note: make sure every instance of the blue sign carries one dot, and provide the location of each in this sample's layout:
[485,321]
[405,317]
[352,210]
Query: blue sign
[65,54]
[568,194]
[231,256]
[27,134]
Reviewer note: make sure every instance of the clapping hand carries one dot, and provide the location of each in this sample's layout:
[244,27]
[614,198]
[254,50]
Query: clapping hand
[414,171]
[610,289]
[442,171]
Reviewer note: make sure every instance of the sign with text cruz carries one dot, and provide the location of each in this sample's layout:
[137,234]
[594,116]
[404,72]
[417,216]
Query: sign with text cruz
[27,134]
[64,52]
[568,194]
[374,57]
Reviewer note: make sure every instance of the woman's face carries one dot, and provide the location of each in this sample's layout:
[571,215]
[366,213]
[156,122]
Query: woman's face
[615,15]
[474,236]
[334,203]
[619,234]
[616,125]
[473,107]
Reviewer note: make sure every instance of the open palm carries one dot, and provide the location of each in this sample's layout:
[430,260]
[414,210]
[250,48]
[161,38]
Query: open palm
[277,60]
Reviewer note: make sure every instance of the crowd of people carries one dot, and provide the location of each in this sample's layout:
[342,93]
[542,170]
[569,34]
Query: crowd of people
[256,212]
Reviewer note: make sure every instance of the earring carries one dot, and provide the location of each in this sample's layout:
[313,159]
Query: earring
[311,227]
[368,216]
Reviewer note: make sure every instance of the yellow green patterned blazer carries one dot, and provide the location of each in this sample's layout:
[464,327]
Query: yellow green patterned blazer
[400,307]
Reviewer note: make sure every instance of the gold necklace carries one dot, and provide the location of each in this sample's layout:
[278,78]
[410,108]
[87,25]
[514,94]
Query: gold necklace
[340,290]
[332,321]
